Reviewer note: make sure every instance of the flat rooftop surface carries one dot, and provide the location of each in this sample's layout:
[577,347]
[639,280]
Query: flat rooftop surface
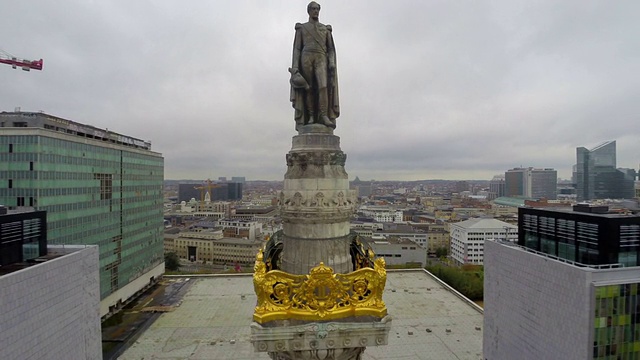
[212,322]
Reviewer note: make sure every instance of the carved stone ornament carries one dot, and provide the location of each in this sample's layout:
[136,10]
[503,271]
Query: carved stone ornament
[337,202]
[327,354]
[319,200]
[339,199]
[317,158]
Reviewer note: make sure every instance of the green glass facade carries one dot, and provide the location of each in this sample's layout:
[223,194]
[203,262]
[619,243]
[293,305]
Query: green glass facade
[617,322]
[94,191]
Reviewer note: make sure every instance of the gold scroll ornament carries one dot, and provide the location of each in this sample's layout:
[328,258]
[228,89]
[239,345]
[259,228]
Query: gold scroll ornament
[320,295]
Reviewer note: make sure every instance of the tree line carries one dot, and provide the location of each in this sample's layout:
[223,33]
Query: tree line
[468,279]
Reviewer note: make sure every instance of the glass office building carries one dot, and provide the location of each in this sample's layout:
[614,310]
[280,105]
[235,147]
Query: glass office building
[597,177]
[97,187]
[587,235]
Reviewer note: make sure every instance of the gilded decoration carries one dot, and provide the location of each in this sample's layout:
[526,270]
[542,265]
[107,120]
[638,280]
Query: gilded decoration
[362,257]
[320,295]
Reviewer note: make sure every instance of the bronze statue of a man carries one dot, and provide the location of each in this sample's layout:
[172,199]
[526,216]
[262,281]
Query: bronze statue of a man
[314,79]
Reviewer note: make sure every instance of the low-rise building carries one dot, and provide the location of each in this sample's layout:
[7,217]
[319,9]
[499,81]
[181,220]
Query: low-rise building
[263,214]
[366,228]
[398,251]
[418,236]
[467,238]
[436,239]
[243,229]
[212,247]
[169,240]
[384,214]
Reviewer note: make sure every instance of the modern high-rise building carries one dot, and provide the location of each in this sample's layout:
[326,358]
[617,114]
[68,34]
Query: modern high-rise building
[596,175]
[496,187]
[532,183]
[569,289]
[97,187]
[239,179]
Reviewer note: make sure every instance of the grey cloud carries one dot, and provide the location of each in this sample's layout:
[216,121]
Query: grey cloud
[428,89]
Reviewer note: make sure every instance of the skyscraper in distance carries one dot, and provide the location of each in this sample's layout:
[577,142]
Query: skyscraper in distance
[532,183]
[597,177]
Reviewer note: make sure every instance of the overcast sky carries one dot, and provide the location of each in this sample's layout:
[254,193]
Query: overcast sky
[428,89]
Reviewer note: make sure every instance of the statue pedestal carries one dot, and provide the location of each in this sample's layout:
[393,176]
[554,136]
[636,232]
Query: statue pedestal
[320,341]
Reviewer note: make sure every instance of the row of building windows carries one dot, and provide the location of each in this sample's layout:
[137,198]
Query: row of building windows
[26,173]
[18,139]
[108,221]
[86,205]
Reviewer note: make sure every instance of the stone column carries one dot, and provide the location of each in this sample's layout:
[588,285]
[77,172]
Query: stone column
[316,204]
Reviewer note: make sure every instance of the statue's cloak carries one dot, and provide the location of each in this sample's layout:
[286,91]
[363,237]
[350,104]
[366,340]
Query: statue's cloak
[297,93]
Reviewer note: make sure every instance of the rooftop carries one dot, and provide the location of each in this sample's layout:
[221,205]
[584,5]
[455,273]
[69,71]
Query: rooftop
[389,240]
[590,211]
[213,321]
[484,223]
[255,210]
[54,123]
[53,252]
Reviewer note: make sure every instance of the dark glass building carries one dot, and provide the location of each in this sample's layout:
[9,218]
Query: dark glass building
[23,236]
[597,177]
[586,234]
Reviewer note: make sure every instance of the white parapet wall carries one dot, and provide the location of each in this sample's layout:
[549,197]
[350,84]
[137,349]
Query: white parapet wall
[51,310]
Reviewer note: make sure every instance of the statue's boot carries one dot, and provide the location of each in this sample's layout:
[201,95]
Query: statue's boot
[309,105]
[323,104]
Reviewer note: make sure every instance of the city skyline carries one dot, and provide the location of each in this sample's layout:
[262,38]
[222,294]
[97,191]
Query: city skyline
[428,91]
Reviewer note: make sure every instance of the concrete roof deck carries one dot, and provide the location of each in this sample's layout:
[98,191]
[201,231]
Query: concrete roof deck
[213,322]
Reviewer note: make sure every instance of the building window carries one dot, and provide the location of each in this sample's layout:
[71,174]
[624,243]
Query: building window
[106,181]
[10,183]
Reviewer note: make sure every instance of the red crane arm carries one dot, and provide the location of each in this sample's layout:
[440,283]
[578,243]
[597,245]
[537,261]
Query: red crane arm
[26,65]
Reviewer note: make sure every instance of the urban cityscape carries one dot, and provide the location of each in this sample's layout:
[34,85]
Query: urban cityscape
[216,244]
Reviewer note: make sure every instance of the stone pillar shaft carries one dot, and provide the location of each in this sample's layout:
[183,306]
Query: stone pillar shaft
[316,204]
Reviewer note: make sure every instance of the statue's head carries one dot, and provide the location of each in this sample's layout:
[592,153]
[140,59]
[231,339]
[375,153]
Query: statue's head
[313,9]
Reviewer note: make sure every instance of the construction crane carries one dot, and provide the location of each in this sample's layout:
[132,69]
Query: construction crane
[203,194]
[26,65]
